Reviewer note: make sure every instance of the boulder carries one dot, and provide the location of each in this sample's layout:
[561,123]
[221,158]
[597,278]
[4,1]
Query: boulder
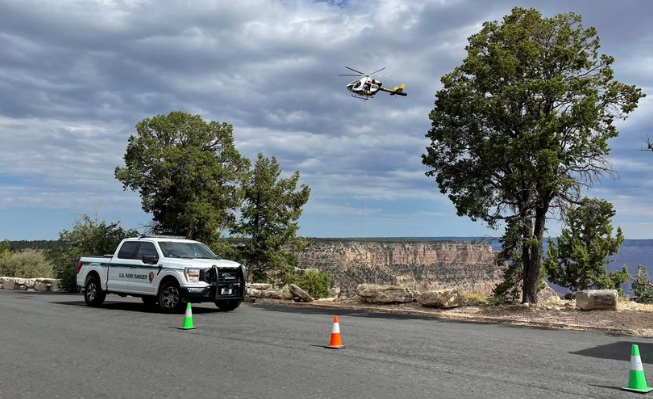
[385,294]
[29,283]
[39,285]
[254,293]
[300,293]
[596,300]
[8,283]
[259,286]
[276,294]
[441,299]
[547,294]
[54,285]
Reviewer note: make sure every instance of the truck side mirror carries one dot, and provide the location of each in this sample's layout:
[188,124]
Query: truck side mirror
[150,259]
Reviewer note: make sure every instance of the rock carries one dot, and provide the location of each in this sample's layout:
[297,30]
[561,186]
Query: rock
[253,293]
[39,285]
[276,294]
[441,299]
[547,294]
[29,283]
[8,283]
[259,286]
[335,292]
[300,293]
[596,300]
[380,294]
[55,285]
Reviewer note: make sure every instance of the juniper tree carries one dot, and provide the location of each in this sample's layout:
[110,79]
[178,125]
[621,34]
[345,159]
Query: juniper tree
[523,124]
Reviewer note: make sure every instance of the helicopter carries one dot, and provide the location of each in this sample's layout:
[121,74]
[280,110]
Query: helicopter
[367,86]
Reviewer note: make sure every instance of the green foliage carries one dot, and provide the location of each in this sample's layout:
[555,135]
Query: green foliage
[269,217]
[578,259]
[511,254]
[316,283]
[523,124]
[642,288]
[187,172]
[88,237]
[28,263]
[5,248]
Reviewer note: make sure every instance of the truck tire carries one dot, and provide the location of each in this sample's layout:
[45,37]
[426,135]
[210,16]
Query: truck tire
[93,293]
[227,306]
[169,298]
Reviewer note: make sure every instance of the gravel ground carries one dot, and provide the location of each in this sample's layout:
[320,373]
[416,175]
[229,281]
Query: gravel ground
[630,318]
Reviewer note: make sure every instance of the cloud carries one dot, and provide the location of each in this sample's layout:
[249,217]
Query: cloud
[76,76]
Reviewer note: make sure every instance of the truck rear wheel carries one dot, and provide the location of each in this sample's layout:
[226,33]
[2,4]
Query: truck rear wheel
[170,297]
[227,306]
[93,293]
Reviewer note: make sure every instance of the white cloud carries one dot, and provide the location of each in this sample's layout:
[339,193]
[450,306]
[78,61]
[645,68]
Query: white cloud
[76,76]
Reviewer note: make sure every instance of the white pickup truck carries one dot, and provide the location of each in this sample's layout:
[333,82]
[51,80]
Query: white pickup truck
[165,270]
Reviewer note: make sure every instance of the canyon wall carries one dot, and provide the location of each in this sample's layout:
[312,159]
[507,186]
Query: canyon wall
[424,265]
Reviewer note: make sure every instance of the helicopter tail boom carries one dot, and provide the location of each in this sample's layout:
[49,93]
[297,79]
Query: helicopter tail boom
[396,91]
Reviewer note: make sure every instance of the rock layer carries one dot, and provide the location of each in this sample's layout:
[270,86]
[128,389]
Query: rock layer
[422,265]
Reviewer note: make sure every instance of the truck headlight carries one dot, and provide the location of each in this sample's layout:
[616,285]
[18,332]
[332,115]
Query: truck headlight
[192,274]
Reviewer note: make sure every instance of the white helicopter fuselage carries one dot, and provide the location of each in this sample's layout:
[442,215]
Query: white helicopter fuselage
[366,86]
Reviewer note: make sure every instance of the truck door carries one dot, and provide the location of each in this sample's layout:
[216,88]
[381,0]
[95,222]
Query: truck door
[122,266]
[146,269]
[128,273]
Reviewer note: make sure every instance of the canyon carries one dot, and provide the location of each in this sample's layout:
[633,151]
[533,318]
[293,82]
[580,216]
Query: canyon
[422,265]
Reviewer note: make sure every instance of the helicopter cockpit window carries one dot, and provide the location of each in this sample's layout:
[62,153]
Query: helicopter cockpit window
[357,85]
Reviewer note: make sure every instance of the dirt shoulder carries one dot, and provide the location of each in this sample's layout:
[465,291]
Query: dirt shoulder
[630,318]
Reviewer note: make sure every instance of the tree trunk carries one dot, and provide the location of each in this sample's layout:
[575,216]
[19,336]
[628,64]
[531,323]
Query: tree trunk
[533,257]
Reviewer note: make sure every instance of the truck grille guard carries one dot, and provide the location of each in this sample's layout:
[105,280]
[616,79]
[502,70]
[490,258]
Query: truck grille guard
[226,282]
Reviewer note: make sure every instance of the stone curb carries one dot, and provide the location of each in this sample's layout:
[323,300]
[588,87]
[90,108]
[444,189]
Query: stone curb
[454,317]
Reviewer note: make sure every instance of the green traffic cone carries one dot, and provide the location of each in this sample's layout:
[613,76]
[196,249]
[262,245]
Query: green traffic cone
[188,318]
[637,380]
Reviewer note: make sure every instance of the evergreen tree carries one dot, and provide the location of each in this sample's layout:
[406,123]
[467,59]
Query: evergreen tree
[642,287]
[187,172]
[522,126]
[579,257]
[269,217]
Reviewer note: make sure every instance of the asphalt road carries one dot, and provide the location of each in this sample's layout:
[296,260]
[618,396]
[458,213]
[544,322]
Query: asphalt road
[54,346]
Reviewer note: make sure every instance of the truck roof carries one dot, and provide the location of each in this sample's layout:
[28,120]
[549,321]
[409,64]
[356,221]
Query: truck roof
[159,238]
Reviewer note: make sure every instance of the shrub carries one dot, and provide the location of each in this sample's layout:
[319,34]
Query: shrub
[316,283]
[87,238]
[642,288]
[26,264]
[473,298]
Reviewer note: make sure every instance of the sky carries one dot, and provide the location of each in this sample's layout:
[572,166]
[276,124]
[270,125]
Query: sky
[77,75]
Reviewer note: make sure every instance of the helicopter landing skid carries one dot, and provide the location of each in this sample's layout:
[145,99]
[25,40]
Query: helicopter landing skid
[360,97]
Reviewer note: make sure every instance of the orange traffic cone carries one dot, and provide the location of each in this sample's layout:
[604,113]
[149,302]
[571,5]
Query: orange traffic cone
[336,342]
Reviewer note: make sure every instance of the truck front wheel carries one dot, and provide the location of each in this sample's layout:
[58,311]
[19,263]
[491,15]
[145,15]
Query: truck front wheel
[169,297]
[93,293]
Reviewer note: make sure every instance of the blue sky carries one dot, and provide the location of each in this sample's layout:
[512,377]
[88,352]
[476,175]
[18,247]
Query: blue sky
[76,76]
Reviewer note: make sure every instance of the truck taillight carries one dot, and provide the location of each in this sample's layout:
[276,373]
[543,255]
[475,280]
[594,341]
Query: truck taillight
[79,266]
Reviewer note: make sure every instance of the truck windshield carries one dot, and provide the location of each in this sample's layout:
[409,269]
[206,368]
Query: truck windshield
[187,250]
